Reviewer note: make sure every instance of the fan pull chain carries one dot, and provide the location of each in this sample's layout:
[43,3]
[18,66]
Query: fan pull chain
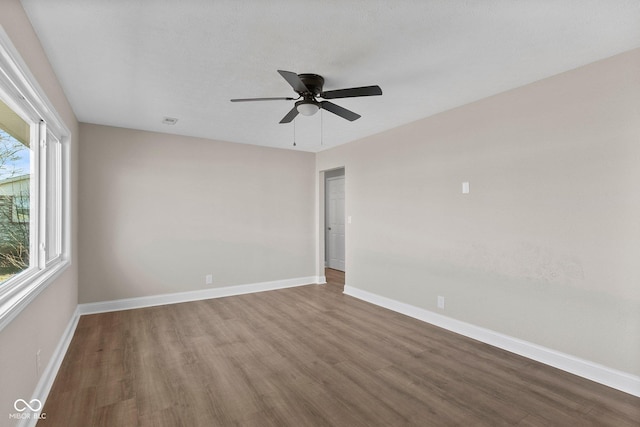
[294,132]
[321,127]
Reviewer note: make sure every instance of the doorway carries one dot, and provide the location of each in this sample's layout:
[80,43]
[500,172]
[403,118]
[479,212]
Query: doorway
[335,219]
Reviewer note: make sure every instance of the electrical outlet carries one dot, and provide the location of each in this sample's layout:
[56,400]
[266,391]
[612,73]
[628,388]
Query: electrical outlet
[441,302]
[208,279]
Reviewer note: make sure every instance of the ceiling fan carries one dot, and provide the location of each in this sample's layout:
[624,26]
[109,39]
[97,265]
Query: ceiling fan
[309,89]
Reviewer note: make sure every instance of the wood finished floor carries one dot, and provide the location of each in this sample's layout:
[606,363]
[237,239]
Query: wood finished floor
[308,356]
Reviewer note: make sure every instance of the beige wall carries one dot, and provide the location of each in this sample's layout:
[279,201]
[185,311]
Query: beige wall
[546,247]
[158,212]
[42,323]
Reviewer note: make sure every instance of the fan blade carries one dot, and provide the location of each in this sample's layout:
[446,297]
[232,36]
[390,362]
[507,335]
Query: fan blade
[261,99]
[290,115]
[295,82]
[339,111]
[352,92]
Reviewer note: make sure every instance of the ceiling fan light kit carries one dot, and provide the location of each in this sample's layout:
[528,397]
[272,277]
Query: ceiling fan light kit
[307,108]
[309,88]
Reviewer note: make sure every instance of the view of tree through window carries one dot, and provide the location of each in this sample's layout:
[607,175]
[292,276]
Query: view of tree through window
[15,201]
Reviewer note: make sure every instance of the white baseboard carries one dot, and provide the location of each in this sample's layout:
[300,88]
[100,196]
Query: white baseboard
[49,374]
[601,374]
[153,300]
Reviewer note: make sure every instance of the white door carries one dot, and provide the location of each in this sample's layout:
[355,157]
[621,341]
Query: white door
[335,222]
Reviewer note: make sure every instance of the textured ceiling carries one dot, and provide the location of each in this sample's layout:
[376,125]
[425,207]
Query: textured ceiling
[131,63]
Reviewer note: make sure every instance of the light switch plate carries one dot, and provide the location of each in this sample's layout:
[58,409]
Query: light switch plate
[465,187]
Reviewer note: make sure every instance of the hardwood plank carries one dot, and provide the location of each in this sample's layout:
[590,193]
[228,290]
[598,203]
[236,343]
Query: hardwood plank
[307,356]
[122,413]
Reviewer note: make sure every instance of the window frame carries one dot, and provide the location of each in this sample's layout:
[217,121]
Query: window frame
[21,92]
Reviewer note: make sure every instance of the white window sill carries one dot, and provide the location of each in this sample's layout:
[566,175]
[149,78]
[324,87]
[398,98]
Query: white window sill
[21,294]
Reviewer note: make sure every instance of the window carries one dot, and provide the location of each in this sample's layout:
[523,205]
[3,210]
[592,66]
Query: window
[15,191]
[34,202]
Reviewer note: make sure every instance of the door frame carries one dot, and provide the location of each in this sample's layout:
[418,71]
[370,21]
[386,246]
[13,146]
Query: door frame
[322,220]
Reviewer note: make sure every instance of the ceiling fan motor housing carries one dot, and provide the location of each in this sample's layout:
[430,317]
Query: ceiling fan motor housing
[313,82]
